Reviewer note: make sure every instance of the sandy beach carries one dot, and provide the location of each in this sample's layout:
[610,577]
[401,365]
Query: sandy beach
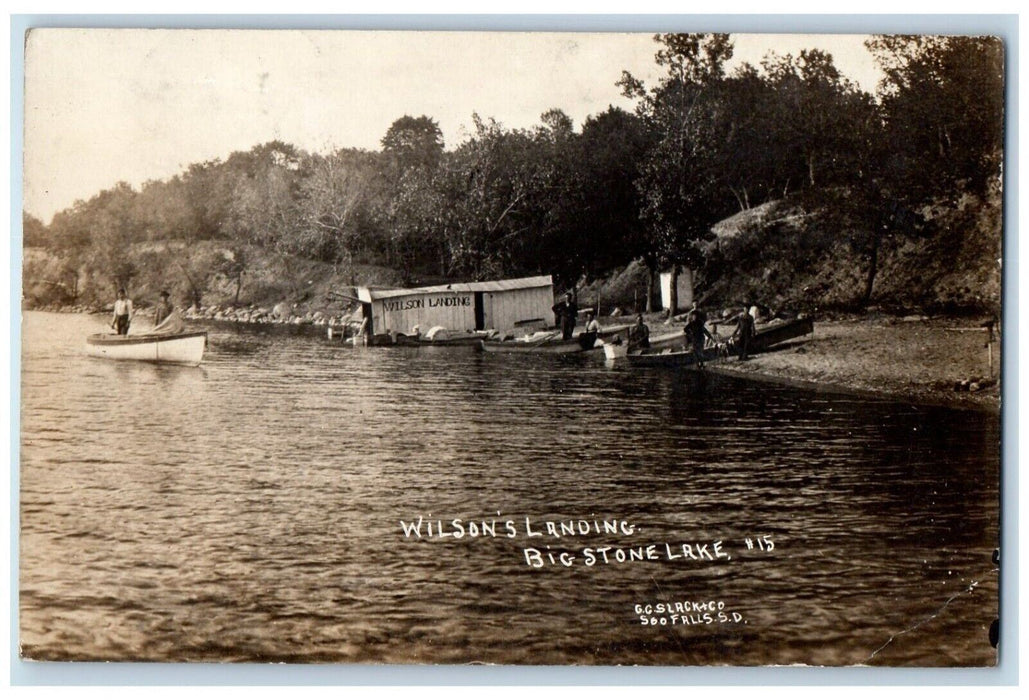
[920,360]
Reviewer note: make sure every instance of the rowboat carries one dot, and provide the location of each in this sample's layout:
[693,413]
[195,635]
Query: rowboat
[552,343]
[172,348]
[762,340]
[669,357]
[617,349]
[442,337]
[776,333]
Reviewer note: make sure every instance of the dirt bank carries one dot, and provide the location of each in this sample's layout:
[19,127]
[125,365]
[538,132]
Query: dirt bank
[919,360]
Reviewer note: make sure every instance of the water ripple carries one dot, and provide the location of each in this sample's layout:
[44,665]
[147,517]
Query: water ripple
[249,509]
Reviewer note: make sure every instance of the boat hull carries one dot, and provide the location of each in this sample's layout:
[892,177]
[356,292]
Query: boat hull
[549,347]
[661,341]
[462,341]
[671,358]
[780,333]
[762,341]
[178,349]
[583,342]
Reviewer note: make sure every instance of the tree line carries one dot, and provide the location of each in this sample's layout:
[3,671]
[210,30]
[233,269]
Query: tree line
[702,143]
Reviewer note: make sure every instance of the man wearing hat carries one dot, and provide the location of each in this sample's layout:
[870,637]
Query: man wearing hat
[569,314]
[164,309]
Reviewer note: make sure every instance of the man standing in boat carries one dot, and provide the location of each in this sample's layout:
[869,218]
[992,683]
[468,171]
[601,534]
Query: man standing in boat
[122,313]
[569,314]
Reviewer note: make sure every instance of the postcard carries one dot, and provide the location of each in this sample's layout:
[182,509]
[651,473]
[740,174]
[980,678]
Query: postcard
[554,348]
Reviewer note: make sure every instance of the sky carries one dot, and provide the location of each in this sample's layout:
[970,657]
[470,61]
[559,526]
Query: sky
[109,105]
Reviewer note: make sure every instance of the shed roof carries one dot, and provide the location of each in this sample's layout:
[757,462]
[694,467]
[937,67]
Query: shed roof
[368,295]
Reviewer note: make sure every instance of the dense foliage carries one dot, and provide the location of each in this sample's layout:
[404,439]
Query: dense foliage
[703,144]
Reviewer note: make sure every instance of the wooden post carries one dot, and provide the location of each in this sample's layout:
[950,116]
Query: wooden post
[989,345]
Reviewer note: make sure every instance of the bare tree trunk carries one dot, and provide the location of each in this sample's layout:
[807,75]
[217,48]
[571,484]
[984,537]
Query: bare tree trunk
[873,268]
[651,278]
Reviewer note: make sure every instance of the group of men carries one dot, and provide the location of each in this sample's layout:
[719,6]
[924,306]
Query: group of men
[696,333]
[567,312]
[123,313]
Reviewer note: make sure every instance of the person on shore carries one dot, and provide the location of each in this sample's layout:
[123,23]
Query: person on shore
[744,332]
[639,335]
[569,315]
[122,313]
[696,331]
[163,310]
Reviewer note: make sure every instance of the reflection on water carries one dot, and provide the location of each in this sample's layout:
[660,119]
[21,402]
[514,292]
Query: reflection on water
[250,509]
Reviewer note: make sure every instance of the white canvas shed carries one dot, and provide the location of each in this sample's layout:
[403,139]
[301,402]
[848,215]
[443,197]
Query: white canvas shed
[501,305]
[685,285]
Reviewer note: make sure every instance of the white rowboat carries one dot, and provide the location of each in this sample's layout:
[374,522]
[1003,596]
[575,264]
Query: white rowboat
[618,350]
[177,348]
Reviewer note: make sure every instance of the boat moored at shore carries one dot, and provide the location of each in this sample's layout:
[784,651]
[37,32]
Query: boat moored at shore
[762,340]
[552,342]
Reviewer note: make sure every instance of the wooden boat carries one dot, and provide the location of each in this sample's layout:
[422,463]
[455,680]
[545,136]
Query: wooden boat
[776,333]
[618,348]
[669,357]
[455,341]
[763,339]
[171,348]
[553,344]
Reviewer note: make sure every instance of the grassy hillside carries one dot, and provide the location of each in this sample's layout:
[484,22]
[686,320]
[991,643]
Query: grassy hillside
[781,255]
[788,257]
[203,269]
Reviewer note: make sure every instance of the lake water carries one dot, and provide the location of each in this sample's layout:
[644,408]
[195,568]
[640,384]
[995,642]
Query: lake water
[251,509]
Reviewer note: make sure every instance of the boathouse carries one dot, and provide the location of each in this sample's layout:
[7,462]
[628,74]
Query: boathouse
[472,306]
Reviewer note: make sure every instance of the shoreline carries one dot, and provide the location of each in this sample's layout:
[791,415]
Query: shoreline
[934,399]
[921,362]
[912,359]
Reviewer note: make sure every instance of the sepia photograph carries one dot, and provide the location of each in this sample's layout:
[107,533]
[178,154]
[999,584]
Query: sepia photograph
[511,348]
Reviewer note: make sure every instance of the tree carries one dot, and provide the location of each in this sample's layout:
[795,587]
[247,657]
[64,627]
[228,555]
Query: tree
[233,266]
[682,196]
[941,133]
[484,192]
[556,125]
[943,104]
[602,205]
[264,207]
[112,231]
[334,201]
[33,231]
[413,142]
[818,117]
